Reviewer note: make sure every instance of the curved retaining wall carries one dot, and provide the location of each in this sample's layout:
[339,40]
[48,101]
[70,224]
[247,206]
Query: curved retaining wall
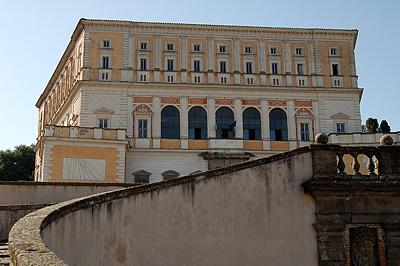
[249,214]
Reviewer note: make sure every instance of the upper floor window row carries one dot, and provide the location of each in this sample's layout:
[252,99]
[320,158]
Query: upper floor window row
[106,44]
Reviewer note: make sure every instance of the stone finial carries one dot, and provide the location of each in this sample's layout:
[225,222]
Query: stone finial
[386,140]
[321,138]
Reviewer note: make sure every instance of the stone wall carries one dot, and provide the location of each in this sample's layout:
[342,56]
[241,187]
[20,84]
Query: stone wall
[248,214]
[20,198]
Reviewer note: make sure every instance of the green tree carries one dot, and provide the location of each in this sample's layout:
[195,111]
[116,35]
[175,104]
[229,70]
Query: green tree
[18,164]
[372,125]
[385,128]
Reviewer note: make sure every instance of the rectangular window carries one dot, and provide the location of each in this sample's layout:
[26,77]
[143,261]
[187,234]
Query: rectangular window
[143,64]
[250,81]
[223,80]
[275,82]
[336,83]
[222,49]
[274,67]
[249,67]
[170,79]
[335,69]
[197,79]
[170,64]
[300,69]
[106,61]
[340,128]
[305,133]
[170,46]
[106,44]
[143,78]
[142,132]
[273,50]
[143,46]
[103,123]
[302,83]
[196,65]
[196,47]
[247,49]
[104,76]
[299,51]
[333,51]
[222,66]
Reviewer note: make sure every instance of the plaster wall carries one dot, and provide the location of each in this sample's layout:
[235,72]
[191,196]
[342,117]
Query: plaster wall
[253,216]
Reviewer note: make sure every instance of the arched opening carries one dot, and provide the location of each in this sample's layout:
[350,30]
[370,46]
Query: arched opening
[278,125]
[251,124]
[197,123]
[170,123]
[225,123]
[169,174]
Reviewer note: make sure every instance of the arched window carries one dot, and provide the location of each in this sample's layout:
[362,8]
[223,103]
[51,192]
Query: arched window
[170,123]
[225,123]
[197,123]
[169,174]
[142,176]
[278,125]
[251,124]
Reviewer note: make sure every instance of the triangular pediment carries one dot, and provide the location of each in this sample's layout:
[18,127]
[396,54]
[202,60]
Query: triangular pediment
[103,110]
[340,116]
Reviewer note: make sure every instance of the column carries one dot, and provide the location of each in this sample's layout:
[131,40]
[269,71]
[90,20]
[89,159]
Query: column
[262,61]
[239,119]
[236,60]
[286,56]
[129,116]
[184,118]
[317,128]
[157,52]
[210,60]
[184,59]
[156,118]
[265,135]
[211,118]
[291,126]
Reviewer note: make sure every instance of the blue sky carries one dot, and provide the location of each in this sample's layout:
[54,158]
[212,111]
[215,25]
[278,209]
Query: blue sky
[36,33]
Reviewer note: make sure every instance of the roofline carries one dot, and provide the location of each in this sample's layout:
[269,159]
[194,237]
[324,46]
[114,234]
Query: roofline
[82,22]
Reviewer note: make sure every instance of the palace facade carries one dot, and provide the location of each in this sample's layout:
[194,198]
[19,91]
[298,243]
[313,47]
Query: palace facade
[142,102]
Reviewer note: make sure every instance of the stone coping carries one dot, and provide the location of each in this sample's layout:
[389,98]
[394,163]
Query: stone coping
[81,184]
[27,247]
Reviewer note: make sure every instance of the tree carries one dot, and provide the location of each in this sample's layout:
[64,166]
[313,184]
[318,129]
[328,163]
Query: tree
[372,125]
[385,128]
[18,164]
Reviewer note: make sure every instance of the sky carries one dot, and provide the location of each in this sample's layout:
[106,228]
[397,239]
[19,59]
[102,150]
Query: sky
[36,33]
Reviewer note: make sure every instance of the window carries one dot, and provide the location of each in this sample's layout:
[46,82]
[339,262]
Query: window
[249,67]
[106,44]
[337,83]
[196,79]
[142,177]
[224,80]
[197,123]
[105,74]
[278,125]
[222,49]
[106,61]
[142,77]
[170,78]
[251,124]
[170,64]
[143,45]
[225,124]
[335,69]
[142,131]
[301,82]
[340,128]
[334,51]
[300,70]
[273,50]
[222,66]
[250,80]
[170,46]
[103,122]
[170,174]
[275,82]
[196,65]
[196,47]
[247,49]
[305,132]
[143,64]
[170,123]
[274,68]
[299,51]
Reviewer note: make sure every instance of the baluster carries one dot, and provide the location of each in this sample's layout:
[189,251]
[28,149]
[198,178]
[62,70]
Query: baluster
[371,165]
[356,164]
[341,164]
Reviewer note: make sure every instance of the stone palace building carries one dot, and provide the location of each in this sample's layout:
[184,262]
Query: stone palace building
[142,102]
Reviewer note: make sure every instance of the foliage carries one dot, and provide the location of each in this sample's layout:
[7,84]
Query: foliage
[363,129]
[372,125]
[18,164]
[384,127]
